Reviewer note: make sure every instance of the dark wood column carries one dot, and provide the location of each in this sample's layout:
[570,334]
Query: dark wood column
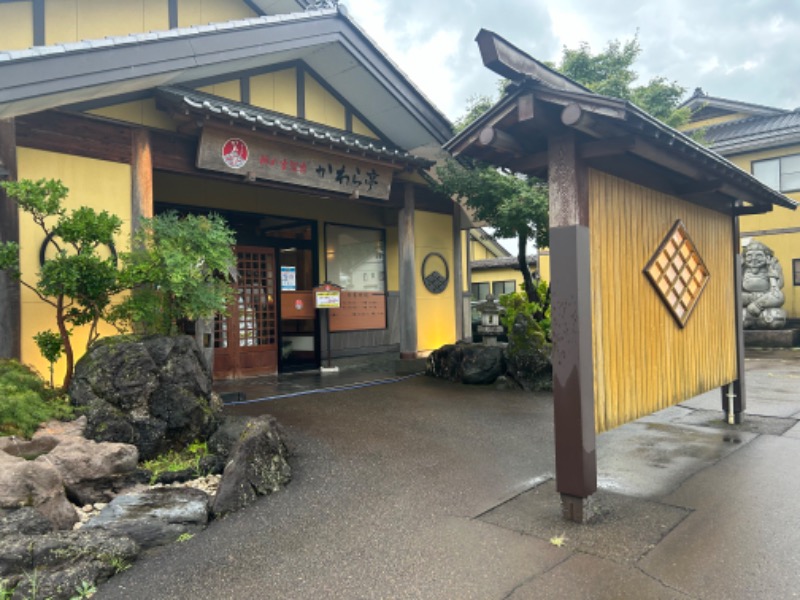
[573,377]
[141,177]
[408,276]
[736,387]
[10,319]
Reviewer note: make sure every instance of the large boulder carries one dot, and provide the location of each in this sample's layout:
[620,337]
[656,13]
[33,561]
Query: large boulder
[37,485]
[467,363]
[257,463]
[94,472]
[154,393]
[54,565]
[155,516]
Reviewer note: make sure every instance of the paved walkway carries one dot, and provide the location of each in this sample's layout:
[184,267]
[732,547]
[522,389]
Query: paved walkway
[424,489]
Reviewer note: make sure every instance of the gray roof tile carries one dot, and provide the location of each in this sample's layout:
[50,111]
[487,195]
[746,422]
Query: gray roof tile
[184,99]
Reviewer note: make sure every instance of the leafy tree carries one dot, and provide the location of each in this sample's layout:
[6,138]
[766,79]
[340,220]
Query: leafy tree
[611,73]
[180,268]
[77,282]
[515,206]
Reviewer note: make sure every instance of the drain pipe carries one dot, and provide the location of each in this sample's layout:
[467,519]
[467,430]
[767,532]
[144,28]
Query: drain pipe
[730,395]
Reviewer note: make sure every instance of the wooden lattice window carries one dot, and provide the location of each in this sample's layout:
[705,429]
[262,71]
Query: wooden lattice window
[678,273]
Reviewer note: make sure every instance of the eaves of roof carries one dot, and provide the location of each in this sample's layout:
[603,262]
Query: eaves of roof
[188,101]
[629,118]
[508,262]
[47,77]
[699,101]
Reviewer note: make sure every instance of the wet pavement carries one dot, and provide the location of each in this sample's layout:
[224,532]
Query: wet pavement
[417,488]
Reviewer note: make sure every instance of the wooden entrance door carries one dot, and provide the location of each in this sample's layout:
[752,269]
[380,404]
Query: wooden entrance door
[246,341]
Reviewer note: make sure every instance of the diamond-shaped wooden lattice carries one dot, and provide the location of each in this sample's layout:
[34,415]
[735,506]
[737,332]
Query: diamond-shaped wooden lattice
[678,273]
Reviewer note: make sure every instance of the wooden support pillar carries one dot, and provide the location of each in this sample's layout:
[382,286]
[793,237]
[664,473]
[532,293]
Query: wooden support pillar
[458,271]
[737,387]
[141,177]
[573,376]
[408,288]
[10,310]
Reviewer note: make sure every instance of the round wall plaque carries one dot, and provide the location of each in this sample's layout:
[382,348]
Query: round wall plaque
[435,273]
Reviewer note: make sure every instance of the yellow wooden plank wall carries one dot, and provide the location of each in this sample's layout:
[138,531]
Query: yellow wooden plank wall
[643,360]
[20,36]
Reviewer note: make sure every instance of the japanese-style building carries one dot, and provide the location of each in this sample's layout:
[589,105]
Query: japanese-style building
[283,117]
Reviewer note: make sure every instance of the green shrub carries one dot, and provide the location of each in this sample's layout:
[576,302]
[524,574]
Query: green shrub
[177,460]
[26,401]
[538,322]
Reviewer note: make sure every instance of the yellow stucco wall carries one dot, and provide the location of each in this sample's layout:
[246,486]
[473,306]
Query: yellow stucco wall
[73,20]
[232,90]
[499,274]
[20,36]
[202,12]
[140,112]
[98,184]
[275,91]
[643,360]
[321,106]
[544,265]
[714,121]
[361,129]
[436,324]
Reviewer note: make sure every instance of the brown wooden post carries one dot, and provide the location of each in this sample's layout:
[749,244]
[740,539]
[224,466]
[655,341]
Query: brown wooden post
[10,310]
[737,387]
[573,391]
[408,276]
[141,177]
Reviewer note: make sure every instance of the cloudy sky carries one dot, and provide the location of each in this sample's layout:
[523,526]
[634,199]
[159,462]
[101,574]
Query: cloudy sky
[739,49]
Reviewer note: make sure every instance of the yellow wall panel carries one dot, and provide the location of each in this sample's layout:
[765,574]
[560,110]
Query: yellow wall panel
[20,36]
[321,106]
[502,274]
[156,15]
[101,18]
[714,121]
[361,129]
[61,21]
[544,265]
[643,360]
[203,12]
[275,91]
[91,183]
[140,112]
[436,321]
[392,260]
[232,90]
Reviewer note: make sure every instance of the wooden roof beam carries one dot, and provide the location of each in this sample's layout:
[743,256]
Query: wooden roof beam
[499,140]
[507,60]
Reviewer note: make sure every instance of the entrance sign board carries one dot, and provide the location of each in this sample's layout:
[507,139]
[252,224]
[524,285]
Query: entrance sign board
[360,311]
[274,160]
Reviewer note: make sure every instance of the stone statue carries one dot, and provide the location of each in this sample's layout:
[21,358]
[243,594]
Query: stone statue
[762,281]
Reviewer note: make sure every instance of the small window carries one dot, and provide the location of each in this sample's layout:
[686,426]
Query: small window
[355,258]
[480,291]
[796,271]
[499,288]
[782,174]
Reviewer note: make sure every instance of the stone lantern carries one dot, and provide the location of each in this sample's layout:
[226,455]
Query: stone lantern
[490,326]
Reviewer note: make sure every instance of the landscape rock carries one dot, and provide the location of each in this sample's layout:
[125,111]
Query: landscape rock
[467,363]
[155,516]
[24,521]
[37,485]
[257,466]
[55,564]
[27,449]
[154,393]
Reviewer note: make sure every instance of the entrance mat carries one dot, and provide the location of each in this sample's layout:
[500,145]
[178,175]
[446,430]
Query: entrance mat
[621,528]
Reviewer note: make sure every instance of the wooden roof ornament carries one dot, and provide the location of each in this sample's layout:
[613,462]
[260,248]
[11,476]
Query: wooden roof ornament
[619,180]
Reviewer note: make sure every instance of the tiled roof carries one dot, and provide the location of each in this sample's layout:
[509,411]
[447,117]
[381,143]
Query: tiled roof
[496,263]
[754,133]
[191,101]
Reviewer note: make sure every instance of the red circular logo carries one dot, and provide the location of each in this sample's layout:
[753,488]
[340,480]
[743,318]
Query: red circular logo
[235,153]
[298,305]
